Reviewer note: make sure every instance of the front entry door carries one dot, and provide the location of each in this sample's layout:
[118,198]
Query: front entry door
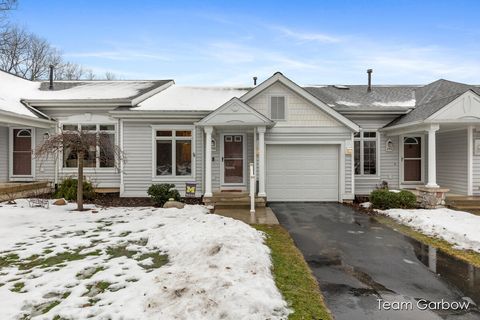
[233,159]
[412,159]
[22,152]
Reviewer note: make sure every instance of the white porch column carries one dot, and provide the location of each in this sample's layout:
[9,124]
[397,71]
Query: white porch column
[261,161]
[432,161]
[208,161]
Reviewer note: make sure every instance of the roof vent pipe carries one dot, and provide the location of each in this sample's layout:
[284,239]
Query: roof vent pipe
[369,72]
[254,81]
[50,87]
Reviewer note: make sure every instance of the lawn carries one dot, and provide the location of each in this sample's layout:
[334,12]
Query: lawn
[293,276]
[133,263]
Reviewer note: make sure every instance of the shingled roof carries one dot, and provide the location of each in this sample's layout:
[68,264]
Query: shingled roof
[358,98]
[433,97]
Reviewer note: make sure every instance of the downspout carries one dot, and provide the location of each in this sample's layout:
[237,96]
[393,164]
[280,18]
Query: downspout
[56,162]
[470,160]
[122,184]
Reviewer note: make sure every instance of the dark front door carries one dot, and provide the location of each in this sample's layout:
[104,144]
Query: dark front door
[233,159]
[22,152]
[412,159]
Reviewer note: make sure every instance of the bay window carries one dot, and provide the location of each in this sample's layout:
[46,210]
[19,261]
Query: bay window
[98,156]
[173,152]
[365,153]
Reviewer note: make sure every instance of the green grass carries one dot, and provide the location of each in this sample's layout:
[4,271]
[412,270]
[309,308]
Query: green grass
[158,260]
[36,261]
[469,256]
[17,287]
[293,276]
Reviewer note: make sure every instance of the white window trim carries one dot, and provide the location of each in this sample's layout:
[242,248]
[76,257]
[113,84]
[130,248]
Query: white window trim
[270,96]
[11,176]
[377,149]
[155,128]
[97,163]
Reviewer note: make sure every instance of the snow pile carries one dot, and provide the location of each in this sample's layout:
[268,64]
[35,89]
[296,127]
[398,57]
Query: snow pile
[181,98]
[366,205]
[217,268]
[457,227]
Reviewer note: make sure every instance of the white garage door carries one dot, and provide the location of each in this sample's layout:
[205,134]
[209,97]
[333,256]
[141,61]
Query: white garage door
[302,172]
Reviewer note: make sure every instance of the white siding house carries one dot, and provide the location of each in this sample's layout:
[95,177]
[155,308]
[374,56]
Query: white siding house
[316,143]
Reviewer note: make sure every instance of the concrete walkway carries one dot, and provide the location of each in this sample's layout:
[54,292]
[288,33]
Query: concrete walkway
[262,215]
[359,262]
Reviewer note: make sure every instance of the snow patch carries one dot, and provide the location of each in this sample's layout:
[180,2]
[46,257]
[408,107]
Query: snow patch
[457,227]
[182,98]
[348,103]
[218,268]
[405,103]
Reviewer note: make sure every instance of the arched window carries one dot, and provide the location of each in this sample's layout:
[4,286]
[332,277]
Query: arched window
[24,133]
[410,140]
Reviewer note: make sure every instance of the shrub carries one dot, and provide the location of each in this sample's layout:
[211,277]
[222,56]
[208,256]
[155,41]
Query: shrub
[386,199]
[160,193]
[407,200]
[68,190]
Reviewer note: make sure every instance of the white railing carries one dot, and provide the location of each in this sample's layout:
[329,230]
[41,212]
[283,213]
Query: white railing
[252,189]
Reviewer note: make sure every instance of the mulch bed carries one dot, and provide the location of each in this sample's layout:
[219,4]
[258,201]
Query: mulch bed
[114,200]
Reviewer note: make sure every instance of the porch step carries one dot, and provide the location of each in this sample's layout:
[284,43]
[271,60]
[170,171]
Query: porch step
[229,200]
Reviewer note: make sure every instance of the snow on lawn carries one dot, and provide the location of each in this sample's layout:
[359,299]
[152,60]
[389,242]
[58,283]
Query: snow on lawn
[133,263]
[457,227]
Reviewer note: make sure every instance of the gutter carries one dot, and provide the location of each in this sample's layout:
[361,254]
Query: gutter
[43,123]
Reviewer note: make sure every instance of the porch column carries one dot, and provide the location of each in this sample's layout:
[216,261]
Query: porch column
[261,161]
[432,161]
[208,161]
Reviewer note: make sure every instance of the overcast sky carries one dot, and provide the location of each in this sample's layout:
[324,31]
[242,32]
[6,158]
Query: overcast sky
[226,43]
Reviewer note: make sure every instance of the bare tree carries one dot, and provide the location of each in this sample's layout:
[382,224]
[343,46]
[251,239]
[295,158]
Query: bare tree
[6,6]
[110,76]
[71,71]
[80,146]
[13,46]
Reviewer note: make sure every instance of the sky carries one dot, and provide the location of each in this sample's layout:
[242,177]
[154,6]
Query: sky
[229,42]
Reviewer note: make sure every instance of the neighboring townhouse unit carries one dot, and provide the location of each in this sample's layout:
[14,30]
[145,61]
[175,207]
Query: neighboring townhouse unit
[315,143]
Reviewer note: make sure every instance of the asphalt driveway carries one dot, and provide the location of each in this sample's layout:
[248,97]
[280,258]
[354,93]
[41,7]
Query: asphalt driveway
[359,262]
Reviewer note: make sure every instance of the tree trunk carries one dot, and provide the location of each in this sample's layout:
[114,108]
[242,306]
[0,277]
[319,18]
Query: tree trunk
[80,182]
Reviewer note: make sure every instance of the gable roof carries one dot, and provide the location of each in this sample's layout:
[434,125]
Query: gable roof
[441,89]
[235,112]
[278,76]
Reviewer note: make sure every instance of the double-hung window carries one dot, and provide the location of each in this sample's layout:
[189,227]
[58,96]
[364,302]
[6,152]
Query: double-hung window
[365,153]
[100,155]
[277,108]
[173,152]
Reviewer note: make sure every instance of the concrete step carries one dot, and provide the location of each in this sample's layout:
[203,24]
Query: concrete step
[238,204]
[230,194]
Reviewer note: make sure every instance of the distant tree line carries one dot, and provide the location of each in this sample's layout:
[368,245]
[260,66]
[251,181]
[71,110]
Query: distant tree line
[28,55]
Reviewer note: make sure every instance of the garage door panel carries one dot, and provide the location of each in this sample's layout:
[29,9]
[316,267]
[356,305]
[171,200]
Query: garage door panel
[302,172]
